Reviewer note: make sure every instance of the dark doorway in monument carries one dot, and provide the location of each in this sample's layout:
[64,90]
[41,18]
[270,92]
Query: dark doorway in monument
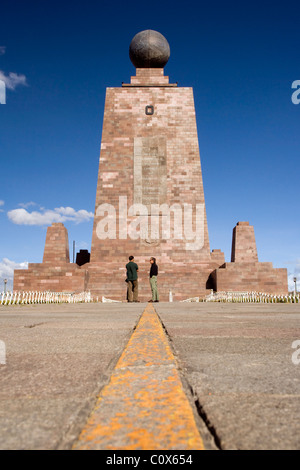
[210,283]
[82,257]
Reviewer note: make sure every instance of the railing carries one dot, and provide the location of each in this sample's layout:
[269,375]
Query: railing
[253,297]
[31,297]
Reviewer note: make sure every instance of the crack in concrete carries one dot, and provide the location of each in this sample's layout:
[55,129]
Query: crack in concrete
[193,395]
[34,325]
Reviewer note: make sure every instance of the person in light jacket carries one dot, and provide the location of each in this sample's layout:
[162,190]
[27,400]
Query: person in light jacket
[153,280]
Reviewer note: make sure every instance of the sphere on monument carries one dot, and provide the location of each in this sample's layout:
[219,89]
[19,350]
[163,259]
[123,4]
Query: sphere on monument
[149,49]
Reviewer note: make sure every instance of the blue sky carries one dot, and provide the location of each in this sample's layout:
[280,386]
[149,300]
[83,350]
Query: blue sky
[241,58]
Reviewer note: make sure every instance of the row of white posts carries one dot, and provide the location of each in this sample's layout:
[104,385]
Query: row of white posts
[255,297]
[13,298]
[32,297]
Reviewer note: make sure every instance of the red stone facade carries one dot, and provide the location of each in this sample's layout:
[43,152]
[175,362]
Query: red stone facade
[150,161]
[245,273]
[243,244]
[150,155]
[56,273]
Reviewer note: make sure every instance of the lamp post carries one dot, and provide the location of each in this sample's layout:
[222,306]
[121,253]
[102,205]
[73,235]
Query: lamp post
[5,282]
[295,289]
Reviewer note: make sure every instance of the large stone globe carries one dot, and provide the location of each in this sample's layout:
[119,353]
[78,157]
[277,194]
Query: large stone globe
[149,49]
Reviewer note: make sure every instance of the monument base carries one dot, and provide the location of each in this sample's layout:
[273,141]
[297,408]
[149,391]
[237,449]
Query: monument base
[55,273]
[250,277]
[41,277]
[183,279]
[245,272]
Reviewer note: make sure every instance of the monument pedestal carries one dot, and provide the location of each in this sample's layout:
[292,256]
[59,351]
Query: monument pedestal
[108,280]
[245,273]
[55,273]
[250,277]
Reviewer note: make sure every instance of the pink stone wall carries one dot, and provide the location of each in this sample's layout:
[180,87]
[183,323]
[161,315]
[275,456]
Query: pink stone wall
[151,159]
[249,276]
[243,243]
[56,273]
[245,273]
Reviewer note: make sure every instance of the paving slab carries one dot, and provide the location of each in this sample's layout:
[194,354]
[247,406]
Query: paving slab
[58,357]
[237,359]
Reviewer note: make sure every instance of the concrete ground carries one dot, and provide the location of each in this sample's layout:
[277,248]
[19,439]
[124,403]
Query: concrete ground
[235,361]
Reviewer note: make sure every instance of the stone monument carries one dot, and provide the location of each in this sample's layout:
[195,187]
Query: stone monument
[150,200]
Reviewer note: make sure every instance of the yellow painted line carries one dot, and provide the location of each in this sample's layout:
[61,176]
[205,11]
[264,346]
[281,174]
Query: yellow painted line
[144,406]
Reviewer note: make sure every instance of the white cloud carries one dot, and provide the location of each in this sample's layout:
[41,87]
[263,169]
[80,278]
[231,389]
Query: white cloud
[47,217]
[1,203]
[76,216]
[27,204]
[7,268]
[12,80]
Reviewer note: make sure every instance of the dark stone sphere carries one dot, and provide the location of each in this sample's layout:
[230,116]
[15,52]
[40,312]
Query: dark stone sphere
[149,49]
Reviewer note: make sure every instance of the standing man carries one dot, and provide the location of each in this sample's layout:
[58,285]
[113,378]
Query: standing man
[132,280]
[153,280]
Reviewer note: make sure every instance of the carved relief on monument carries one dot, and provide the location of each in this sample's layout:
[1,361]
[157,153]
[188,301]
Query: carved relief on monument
[150,183]
[150,171]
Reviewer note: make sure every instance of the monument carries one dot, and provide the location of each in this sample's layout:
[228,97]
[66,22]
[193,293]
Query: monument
[150,200]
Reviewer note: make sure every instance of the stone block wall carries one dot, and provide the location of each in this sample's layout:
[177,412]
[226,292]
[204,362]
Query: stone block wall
[41,277]
[55,273]
[57,245]
[245,273]
[251,277]
[150,155]
[243,243]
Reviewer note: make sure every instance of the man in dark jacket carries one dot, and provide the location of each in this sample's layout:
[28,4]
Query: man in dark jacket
[132,280]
